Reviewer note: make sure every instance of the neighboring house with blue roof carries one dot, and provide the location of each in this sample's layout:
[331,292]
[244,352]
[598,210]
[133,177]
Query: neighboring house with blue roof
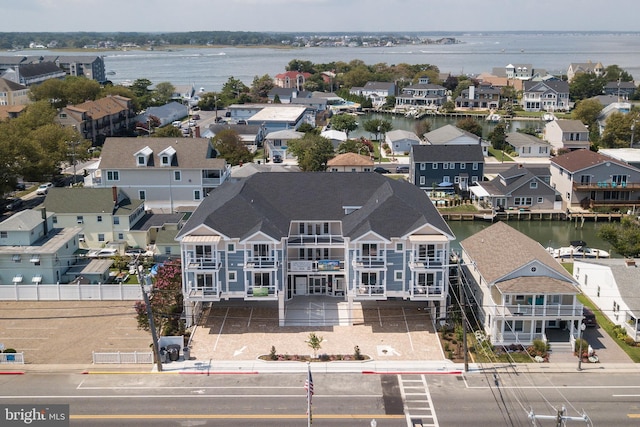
[273,237]
[445,167]
[612,285]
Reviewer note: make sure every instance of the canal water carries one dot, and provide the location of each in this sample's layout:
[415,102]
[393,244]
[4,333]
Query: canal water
[547,233]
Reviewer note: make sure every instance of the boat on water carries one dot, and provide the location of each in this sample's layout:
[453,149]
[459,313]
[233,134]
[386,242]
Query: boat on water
[493,118]
[111,73]
[578,249]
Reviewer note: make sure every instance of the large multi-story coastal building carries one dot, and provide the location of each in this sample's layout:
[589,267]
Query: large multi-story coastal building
[352,236]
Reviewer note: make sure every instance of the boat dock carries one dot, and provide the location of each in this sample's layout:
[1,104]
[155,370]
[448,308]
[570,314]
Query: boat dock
[535,215]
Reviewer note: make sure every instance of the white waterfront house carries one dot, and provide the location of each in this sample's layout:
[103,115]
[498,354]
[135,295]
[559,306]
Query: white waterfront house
[522,292]
[168,174]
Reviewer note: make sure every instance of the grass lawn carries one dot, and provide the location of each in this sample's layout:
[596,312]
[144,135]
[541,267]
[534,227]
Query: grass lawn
[500,155]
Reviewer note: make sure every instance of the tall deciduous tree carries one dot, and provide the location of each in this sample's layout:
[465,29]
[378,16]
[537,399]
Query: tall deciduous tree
[344,122]
[166,301]
[163,93]
[623,237]
[230,146]
[618,130]
[377,127]
[313,152]
[260,87]
[498,137]
[470,125]
[586,85]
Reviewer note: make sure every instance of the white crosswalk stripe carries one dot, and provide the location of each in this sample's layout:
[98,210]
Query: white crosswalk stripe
[418,406]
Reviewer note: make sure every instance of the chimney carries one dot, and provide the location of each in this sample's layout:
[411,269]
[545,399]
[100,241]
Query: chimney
[197,131]
[114,194]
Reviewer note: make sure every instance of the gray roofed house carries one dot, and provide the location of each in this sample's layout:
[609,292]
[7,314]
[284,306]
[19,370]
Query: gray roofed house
[167,113]
[452,135]
[517,187]
[612,284]
[548,95]
[169,174]
[33,73]
[400,141]
[523,293]
[351,236]
[526,145]
[446,167]
[33,251]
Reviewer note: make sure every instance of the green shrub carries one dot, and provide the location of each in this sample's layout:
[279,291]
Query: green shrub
[272,353]
[10,350]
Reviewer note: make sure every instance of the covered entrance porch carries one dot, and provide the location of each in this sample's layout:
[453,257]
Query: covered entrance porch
[315,284]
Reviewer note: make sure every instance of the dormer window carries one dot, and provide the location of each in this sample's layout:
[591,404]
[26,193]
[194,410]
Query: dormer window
[142,156]
[166,156]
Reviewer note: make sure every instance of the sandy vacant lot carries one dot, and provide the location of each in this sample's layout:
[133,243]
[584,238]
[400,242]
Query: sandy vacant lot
[67,332]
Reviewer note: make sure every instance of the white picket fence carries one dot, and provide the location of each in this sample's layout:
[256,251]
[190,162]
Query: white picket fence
[70,292]
[123,358]
[11,358]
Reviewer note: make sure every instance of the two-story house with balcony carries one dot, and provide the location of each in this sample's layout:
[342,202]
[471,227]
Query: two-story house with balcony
[99,119]
[168,174]
[485,97]
[377,92]
[34,251]
[566,135]
[588,179]
[423,95]
[445,167]
[105,215]
[548,95]
[353,236]
[522,292]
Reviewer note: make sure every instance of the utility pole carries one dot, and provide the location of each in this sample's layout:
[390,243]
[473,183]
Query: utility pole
[560,418]
[152,326]
[463,308]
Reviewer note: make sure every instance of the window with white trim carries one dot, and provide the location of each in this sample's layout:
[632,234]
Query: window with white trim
[177,175]
[423,180]
[399,275]
[113,175]
[434,165]
[423,166]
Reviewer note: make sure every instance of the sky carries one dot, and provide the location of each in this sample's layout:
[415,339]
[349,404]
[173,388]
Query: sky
[318,15]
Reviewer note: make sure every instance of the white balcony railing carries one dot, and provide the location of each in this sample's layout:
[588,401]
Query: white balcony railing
[527,310]
[202,263]
[260,263]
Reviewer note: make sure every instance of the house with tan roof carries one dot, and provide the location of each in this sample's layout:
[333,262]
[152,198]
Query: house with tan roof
[96,120]
[588,67]
[522,292]
[589,179]
[12,93]
[169,174]
[350,162]
[566,135]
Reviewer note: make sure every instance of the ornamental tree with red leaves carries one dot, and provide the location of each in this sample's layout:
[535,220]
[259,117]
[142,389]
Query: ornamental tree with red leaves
[166,301]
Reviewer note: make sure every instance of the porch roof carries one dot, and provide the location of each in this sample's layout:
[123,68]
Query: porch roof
[537,285]
[201,239]
[428,238]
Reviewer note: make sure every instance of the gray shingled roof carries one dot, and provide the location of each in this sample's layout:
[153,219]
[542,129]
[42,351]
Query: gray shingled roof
[626,278]
[268,202]
[447,153]
[447,133]
[500,250]
[519,139]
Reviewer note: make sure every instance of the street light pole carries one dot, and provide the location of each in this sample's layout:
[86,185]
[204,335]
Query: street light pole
[582,328]
[152,325]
